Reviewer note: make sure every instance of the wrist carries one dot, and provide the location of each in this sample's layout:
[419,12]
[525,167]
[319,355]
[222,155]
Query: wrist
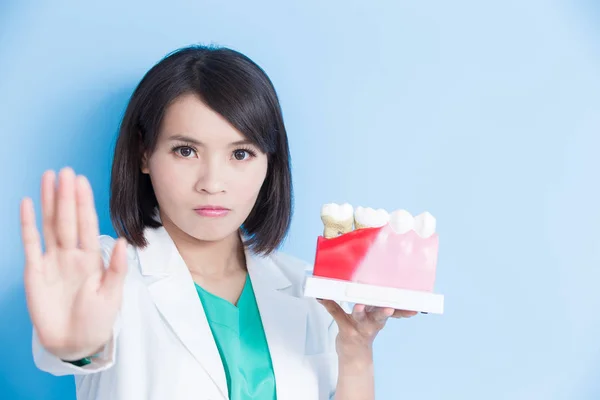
[354,353]
[355,368]
[356,362]
[73,355]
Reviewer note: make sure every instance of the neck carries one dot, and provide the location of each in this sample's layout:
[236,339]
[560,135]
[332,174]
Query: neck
[209,259]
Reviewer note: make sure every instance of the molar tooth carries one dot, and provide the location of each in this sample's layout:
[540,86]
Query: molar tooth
[366,217]
[401,221]
[337,219]
[425,224]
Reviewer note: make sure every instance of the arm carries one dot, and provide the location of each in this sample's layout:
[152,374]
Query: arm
[355,379]
[352,378]
[354,338]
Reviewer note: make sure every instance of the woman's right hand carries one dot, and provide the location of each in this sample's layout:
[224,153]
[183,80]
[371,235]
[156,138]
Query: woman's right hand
[73,300]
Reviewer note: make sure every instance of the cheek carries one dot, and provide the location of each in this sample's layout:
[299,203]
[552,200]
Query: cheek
[167,179]
[248,184]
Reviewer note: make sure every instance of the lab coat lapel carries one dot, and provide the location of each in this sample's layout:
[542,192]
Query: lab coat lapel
[284,318]
[172,289]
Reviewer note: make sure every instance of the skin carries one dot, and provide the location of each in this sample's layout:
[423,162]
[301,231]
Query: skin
[199,160]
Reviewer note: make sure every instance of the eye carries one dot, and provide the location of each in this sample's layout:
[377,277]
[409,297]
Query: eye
[184,151]
[242,154]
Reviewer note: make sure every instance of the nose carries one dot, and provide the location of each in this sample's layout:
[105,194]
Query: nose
[211,177]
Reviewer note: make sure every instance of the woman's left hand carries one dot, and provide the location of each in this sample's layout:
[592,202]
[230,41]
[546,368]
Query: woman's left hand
[358,330]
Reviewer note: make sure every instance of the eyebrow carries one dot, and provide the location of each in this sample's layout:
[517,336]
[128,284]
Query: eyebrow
[187,139]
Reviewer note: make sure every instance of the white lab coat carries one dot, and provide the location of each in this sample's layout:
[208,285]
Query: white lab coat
[162,346]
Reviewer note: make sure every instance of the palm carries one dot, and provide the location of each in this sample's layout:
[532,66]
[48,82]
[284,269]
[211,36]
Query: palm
[72,299]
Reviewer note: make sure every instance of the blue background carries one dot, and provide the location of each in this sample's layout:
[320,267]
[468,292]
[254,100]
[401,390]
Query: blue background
[486,114]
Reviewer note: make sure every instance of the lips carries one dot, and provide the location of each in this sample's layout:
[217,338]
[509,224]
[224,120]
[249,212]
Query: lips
[212,211]
[212,208]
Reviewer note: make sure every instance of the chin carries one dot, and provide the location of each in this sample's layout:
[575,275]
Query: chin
[206,231]
[211,235]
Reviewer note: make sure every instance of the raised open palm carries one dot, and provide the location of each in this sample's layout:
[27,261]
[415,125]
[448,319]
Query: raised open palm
[73,299]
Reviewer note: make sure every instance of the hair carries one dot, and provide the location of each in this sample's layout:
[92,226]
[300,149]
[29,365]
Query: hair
[235,87]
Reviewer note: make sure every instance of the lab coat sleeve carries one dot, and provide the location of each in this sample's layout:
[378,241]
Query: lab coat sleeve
[48,362]
[332,334]
[101,361]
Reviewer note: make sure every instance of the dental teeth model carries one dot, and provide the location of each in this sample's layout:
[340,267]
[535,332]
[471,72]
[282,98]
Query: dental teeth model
[387,260]
[337,219]
[370,218]
[401,221]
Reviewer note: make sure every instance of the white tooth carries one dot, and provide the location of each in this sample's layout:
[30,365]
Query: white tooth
[382,217]
[346,211]
[401,221]
[425,224]
[329,209]
[336,211]
[337,219]
[367,217]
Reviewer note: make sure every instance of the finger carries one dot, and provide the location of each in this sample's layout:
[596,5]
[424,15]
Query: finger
[49,209]
[87,219]
[337,312]
[381,314]
[359,312]
[114,276]
[30,237]
[403,314]
[66,210]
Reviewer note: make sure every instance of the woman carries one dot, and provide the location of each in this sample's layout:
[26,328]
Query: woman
[193,301]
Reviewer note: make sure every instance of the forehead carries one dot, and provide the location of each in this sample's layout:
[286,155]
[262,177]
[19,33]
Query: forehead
[189,116]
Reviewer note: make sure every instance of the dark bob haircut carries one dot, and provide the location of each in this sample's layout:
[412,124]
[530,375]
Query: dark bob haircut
[236,88]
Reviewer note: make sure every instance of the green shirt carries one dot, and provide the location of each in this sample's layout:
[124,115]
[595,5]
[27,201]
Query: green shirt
[240,338]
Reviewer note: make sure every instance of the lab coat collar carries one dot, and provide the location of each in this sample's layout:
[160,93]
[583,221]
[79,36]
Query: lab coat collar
[284,316]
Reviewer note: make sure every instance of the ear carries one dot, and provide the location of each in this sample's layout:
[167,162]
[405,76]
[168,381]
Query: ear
[144,164]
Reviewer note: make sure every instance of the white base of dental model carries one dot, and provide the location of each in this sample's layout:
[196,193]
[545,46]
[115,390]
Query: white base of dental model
[359,293]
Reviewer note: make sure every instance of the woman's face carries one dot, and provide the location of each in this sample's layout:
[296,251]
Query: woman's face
[206,175]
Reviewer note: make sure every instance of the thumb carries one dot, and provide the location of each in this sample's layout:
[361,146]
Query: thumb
[114,276]
[337,312]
